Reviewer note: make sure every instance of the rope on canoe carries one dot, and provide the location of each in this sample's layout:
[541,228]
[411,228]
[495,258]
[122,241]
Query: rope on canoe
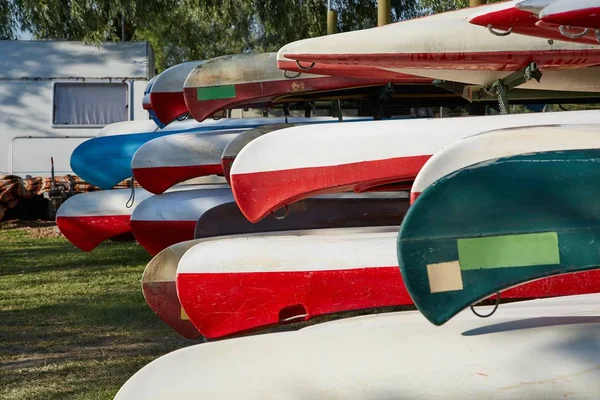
[493,311]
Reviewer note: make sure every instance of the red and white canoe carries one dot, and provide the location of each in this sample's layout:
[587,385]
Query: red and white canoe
[88,219]
[291,164]
[166,94]
[231,285]
[446,46]
[580,13]
[539,349]
[504,143]
[522,17]
[161,221]
[160,292]
[323,212]
[168,160]
[238,80]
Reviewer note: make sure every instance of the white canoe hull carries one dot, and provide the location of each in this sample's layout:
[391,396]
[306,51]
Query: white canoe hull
[538,349]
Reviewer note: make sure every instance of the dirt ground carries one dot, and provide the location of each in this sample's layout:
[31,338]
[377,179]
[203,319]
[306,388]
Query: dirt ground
[34,229]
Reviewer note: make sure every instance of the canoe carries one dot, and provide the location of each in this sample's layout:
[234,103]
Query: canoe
[161,221]
[521,17]
[236,145]
[127,127]
[583,13]
[344,210]
[234,285]
[231,285]
[168,160]
[106,161]
[463,52]
[88,219]
[541,221]
[146,103]
[503,143]
[166,94]
[226,220]
[234,81]
[158,287]
[529,350]
[291,164]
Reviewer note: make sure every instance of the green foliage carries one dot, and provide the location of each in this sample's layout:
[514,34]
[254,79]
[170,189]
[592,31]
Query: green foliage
[438,6]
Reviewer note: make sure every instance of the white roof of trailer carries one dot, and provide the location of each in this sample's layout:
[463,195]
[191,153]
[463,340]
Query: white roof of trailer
[46,59]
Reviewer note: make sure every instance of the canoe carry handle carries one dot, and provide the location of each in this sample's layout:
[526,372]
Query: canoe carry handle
[292,313]
[493,311]
[499,33]
[285,74]
[564,30]
[304,68]
[131,200]
[286,212]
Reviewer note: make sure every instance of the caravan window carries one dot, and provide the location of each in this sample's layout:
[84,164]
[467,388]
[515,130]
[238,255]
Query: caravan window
[89,104]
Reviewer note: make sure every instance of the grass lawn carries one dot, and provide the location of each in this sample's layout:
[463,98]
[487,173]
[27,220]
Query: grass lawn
[73,324]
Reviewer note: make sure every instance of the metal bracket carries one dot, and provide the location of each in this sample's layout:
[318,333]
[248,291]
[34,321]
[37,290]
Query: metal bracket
[460,89]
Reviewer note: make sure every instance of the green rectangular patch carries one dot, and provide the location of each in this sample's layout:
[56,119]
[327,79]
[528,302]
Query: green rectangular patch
[216,92]
[509,251]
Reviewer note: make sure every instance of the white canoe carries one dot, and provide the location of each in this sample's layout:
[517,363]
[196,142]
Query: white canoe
[127,127]
[290,164]
[231,285]
[446,46]
[531,350]
[580,13]
[504,143]
[160,221]
[168,160]
[166,94]
[88,219]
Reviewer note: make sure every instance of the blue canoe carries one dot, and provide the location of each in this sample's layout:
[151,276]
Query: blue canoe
[106,161]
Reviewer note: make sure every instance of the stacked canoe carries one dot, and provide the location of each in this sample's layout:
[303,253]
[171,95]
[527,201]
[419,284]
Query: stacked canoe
[257,223]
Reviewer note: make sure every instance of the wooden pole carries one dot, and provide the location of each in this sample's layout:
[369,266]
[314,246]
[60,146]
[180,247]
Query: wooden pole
[332,22]
[384,12]
[475,3]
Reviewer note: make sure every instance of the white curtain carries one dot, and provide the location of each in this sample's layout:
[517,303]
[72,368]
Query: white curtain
[90,103]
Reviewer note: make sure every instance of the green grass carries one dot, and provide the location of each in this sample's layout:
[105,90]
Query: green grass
[73,324]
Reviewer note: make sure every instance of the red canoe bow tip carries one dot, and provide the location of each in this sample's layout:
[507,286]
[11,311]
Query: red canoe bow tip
[168,105]
[259,193]
[158,179]
[507,18]
[162,298]
[584,18]
[223,304]
[155,236]
[413,197]
[86,233]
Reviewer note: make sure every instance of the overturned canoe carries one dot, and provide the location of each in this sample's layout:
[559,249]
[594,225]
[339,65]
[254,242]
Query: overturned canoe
[106,161]
[582,13]
[231,285]
[521,17]
[291,164]
[161,221]
[463,52]
[530,216]
[88,219]
[128,127]
[534,349]
[235,81]
[166,94]
[503,143]
[166,161]
[160,292]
